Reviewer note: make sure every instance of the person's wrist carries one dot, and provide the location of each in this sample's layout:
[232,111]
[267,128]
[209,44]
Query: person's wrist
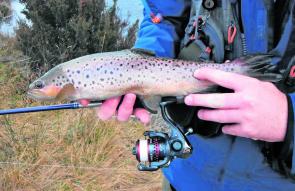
[288,143]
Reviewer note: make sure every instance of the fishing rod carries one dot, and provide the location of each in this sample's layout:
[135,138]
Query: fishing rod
[74,105]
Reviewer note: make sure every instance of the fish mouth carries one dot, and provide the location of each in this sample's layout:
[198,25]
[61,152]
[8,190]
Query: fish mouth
[39,95]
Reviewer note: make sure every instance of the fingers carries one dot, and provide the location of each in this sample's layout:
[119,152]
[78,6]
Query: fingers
[84,102]
[108,108]
[234,130]
[126,108]
[143,115]
[225,79]
[240,130]
[218,100]
[220,116]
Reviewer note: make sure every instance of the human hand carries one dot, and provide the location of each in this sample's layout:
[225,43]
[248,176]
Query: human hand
[109,109]
[256,109]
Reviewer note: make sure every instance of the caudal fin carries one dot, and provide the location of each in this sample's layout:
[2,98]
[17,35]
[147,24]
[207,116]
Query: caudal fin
[261,67]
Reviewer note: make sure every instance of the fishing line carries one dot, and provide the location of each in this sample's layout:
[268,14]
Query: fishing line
[65,166]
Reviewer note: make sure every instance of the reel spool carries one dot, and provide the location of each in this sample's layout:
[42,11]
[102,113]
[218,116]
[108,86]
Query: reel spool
[150,150]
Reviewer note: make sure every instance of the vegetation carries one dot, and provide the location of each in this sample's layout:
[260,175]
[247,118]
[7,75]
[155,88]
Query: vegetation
[64,150]
[5,9]
[65,29]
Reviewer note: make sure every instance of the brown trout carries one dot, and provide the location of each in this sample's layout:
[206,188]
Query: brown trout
[105,75]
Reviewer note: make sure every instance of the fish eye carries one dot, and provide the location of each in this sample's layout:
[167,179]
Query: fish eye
[39,85]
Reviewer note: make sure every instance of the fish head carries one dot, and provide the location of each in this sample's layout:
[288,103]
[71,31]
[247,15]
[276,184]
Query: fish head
[50,86]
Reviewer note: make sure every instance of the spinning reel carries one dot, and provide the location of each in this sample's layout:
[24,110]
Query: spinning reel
[159,149]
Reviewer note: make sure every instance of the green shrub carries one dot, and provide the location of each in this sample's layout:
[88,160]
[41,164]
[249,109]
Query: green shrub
[61,30]
[5,9]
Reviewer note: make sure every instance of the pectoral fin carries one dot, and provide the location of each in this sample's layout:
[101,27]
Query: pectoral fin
[151,103]
[66,92]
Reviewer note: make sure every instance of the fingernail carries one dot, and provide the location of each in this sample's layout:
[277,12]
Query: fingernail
[122,118]
[188,100]
[145,120]
[101,115]
[200,114]
[225,131]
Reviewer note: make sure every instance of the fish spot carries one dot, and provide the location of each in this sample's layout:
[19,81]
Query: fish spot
[78,71]
[121,75]
[73,82]
[112,83]
[101,79]
[94,59]
[60,84]
[111,72]
[87,76]
[121,64]
[79,82]
[105,71]
[58,77]
[85,85]
[53,80]
[68,70]
[93,82]
[70,75]
[56,84]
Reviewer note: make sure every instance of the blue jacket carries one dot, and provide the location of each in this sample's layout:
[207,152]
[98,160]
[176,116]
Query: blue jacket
[224,162]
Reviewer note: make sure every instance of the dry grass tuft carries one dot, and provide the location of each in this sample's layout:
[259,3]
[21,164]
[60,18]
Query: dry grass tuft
[65,150]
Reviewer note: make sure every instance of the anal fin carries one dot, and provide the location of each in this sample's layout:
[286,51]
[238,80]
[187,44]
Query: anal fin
[151,103]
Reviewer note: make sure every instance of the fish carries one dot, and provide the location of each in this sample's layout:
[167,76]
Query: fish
[100,76]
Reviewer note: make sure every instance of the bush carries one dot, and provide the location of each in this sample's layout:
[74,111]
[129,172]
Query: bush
[61,30]
[5,9]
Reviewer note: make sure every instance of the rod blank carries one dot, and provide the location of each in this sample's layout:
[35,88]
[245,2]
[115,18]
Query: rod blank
[48,108]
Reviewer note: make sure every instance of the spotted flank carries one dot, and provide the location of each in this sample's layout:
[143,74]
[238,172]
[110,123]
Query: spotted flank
[105,75]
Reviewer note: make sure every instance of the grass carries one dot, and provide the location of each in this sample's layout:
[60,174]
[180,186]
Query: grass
[65,150]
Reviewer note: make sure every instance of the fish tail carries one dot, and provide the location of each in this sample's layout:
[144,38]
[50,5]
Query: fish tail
[261,67]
